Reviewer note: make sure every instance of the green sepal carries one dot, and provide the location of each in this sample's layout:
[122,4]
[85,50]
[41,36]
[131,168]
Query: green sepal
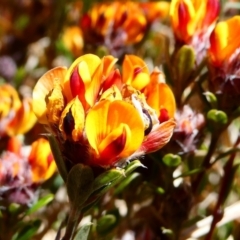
[132,166]
[171,160]
[125,182]
[106,224]
[185,63]
[217,116]
[79,185]
[211,99]
[107,178]
[58,156]
[83,232]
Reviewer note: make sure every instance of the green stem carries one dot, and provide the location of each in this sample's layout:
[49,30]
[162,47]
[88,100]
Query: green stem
[73,221]
[206,162]
[218,213]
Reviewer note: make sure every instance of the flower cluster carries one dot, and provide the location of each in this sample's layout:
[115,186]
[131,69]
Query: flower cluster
[119,24]
[16,116]
[21,170]
[102,117]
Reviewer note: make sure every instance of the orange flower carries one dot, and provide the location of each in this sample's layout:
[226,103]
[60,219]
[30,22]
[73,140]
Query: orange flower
[97,113]
[158,94]
[21,172]
[155,10]
[41,161]
[16,116]
[106,19]
[223,64]
[224,41]
[193,18]
[117,25]
[73,40]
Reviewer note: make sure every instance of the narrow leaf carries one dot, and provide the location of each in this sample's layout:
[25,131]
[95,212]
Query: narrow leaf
[83,232]
[79,184]
[41,203]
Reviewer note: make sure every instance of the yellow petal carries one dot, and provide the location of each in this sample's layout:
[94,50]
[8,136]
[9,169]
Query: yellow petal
[41,90]
[72,120]
[55,105]
[225,40]
[9,100]
[131,68]
[111,94]
[91,61]
[107,116]
[159,95]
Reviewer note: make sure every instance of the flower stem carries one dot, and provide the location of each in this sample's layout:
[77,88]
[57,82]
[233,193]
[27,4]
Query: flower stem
[73,221]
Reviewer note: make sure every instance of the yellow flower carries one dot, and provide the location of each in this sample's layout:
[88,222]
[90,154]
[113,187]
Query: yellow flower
[100,116]
[224,41]
[193,18]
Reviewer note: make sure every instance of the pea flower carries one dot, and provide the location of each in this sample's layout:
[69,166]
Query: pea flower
[193,21]
[21,171]
[16,116]
[120,24]
[73,40]
[158,94]
[98,119]
[224,62]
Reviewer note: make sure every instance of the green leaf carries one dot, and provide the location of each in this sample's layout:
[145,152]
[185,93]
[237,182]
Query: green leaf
[79,184]
[171,160]
[41,203]
[217,116]
[126,182]
[185,63]
[106,224]
[83,232]
[28,231]
[58,156]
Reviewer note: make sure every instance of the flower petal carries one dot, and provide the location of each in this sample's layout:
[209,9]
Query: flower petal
[106,117]
[72,120]
[43,87]
[158,137]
